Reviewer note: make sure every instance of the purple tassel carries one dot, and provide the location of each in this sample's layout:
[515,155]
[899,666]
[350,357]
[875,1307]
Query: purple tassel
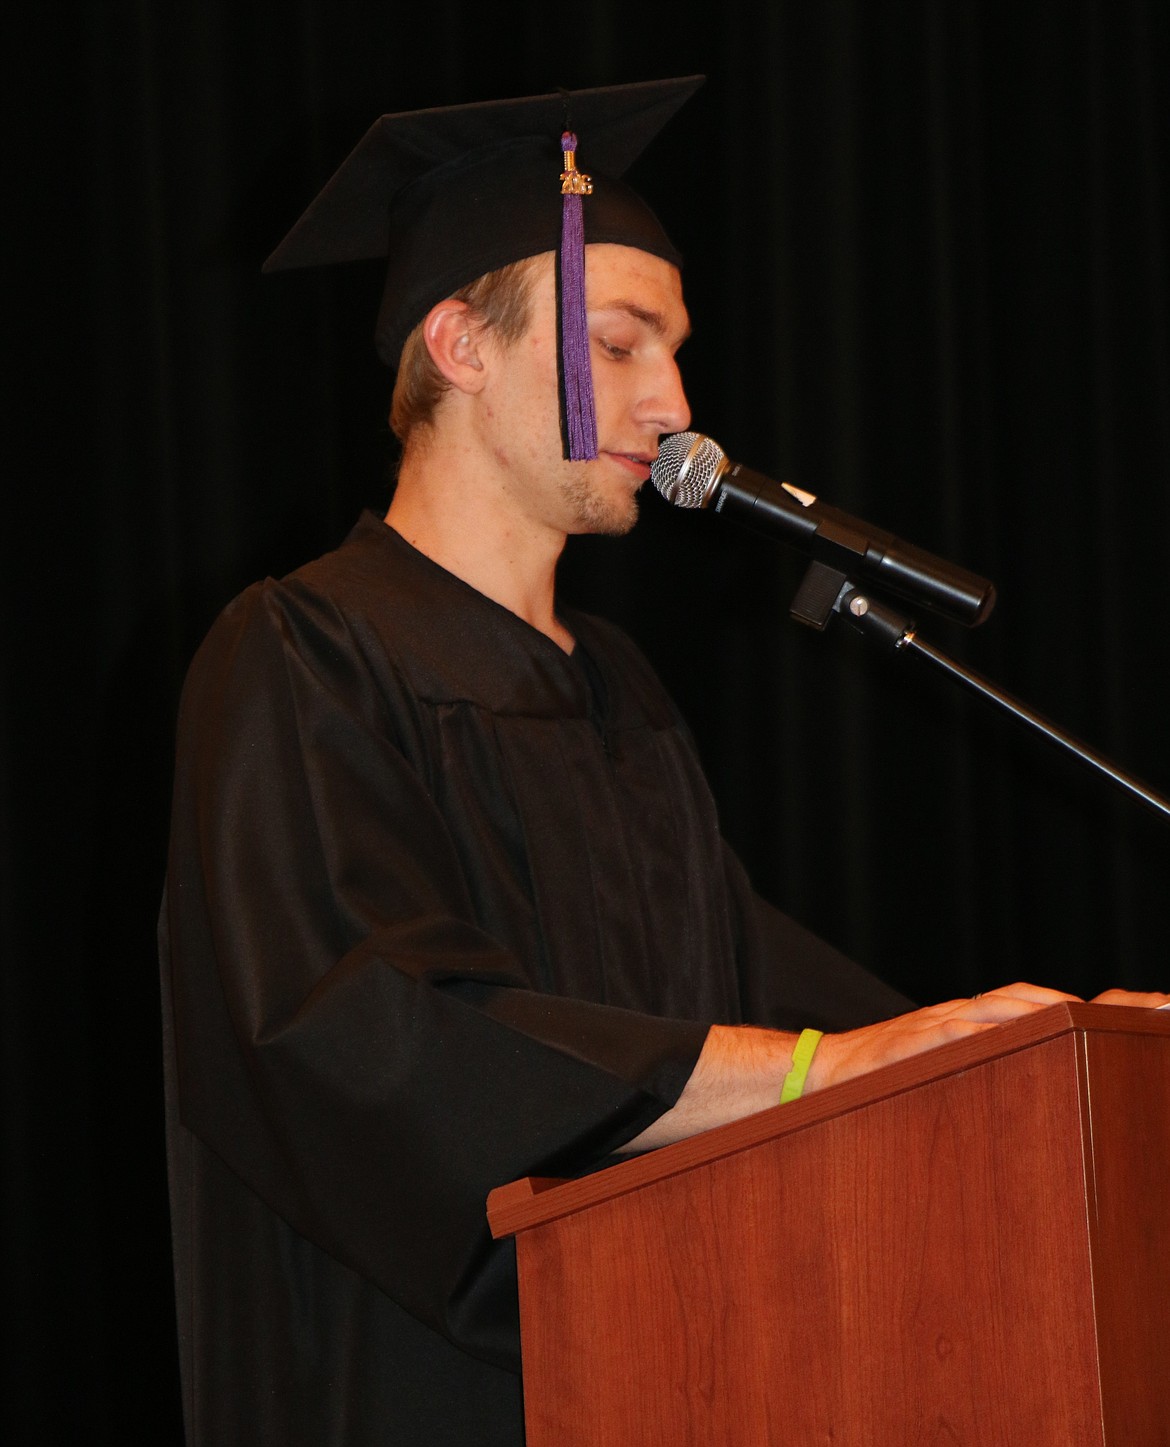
[576,373]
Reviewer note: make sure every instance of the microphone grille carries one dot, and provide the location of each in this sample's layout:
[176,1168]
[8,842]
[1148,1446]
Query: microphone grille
[686,466]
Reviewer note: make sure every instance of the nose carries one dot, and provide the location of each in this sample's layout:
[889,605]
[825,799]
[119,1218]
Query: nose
[669,409]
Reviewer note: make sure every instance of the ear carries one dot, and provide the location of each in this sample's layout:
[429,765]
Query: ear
[451,335]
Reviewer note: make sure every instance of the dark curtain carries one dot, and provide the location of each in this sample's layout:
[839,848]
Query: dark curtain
[927,264]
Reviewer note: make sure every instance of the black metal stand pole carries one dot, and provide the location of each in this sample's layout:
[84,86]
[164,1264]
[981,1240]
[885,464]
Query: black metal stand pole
[876,620]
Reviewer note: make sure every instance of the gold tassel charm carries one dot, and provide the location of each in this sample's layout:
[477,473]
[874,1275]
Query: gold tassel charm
[574,182]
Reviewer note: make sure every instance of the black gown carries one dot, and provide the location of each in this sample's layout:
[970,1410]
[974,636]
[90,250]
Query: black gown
[439,914]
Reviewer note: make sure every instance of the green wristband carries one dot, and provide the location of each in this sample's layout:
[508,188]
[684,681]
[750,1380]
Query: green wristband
[801,1060]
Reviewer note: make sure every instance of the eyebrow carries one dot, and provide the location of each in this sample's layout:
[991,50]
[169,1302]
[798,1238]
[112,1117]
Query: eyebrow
[652,319]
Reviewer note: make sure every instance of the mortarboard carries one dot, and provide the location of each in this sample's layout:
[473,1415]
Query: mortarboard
[449,194]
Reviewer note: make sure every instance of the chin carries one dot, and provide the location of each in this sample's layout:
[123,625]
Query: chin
[610,516]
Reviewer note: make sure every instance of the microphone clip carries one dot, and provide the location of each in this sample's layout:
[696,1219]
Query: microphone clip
[825,590]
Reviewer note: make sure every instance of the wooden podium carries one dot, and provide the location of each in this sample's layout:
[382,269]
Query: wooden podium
[970,1247]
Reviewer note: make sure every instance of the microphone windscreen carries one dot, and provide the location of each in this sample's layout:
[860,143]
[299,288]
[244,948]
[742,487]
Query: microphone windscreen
[685,468]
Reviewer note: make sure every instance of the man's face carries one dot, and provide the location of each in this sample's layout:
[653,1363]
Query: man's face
[637,322]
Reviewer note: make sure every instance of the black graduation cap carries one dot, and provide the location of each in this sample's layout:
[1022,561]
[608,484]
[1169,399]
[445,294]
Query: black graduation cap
[448,194]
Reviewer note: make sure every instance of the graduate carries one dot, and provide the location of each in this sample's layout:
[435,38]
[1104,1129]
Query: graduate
[447,902]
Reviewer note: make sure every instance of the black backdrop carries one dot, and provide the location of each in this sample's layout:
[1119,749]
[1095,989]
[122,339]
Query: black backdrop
[927,264]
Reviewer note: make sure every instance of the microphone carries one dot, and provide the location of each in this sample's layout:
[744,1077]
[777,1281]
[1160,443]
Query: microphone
[693,471]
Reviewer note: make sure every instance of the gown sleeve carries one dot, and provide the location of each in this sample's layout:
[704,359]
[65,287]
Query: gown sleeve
[348,1041]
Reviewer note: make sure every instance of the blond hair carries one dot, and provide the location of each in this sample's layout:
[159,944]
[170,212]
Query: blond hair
[500,304]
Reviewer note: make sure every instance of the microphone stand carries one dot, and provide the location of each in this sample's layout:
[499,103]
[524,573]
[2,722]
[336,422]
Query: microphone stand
[825,591]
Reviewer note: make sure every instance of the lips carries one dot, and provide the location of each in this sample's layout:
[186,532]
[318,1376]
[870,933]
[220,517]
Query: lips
[637,462]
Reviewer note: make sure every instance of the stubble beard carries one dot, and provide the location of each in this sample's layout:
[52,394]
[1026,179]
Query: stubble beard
[593,513]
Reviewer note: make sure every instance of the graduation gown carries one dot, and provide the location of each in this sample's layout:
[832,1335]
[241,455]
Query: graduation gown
[440,913]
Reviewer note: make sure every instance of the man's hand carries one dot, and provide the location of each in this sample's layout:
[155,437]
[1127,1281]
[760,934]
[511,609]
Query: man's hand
[856,1052]
[1147,999]
[742,1068]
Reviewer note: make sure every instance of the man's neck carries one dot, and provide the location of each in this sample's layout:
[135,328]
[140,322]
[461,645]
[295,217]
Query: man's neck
[443,507]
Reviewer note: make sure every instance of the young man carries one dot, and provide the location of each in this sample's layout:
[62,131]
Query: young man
[447,902]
